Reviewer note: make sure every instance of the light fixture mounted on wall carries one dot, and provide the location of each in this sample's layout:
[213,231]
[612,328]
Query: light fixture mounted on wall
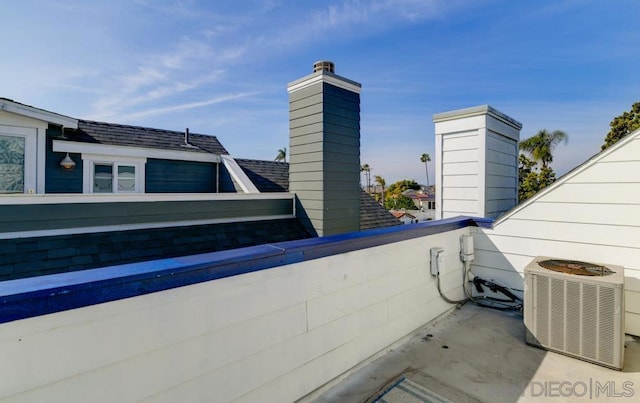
[67,163]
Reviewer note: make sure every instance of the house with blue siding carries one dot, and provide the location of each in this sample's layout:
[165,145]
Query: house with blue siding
[78,194]
[60,154]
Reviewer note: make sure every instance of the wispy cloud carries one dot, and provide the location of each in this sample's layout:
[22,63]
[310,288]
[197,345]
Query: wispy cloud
[175,108]
[190,65]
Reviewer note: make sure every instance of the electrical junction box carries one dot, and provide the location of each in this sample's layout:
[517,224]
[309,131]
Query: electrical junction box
[437,258]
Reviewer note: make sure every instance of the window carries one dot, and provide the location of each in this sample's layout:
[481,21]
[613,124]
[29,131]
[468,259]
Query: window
[102,176]
[18,159]
[12,164]
[126,178]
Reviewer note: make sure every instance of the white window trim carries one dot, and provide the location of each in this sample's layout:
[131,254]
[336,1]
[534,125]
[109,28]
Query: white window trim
[30,135]
[90,160]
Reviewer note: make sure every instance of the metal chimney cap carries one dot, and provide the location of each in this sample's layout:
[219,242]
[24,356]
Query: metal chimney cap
[324,65]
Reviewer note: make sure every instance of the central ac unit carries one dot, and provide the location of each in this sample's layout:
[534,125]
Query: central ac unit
[576,308]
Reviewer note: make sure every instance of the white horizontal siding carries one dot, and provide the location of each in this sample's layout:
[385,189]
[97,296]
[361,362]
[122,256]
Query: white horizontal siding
[495,181]
[593,214]
[498,142]
[602,193]
[494,168]
[460,193]
[460,174]
[611,172]
[460,207]
[462,181]
[460,168]
[501,173]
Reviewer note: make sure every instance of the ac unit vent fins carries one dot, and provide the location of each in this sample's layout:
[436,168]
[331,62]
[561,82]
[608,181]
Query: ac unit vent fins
[578,315]
[576,267]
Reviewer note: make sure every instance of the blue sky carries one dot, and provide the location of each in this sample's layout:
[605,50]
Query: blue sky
[222,67]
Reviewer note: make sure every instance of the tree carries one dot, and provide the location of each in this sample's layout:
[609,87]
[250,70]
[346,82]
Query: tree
[396,199]
[399,202]
[530,181]
[400,186]
[540,146]
[381,182]
[367,174]
[282,155]
[623,125]
[533,177]
[425,158]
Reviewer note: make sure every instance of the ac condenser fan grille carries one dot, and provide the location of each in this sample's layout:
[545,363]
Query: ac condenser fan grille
[576,267]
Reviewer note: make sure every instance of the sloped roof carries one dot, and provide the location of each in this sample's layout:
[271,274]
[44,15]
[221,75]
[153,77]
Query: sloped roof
[400,214]
[272,176]
[373,215]
[136,136]
[19,108]
[268,176]
[37,256]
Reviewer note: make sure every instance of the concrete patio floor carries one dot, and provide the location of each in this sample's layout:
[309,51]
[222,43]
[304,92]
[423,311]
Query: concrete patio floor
[478,354]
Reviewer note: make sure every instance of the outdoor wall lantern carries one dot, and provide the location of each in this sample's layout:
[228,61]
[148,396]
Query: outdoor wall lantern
[67,163]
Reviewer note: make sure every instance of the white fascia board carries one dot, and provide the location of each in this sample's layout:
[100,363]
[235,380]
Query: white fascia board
[324,77]
[40,114]
[128,151]
[238,174]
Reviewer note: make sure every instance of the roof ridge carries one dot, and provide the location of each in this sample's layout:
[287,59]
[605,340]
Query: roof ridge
[142,127]
[260,160]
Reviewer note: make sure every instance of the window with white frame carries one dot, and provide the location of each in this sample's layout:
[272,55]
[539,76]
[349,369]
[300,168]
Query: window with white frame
[17,159]
[108,176]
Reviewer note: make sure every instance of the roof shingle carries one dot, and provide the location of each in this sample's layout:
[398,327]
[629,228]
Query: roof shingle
[136,136]
[272,176]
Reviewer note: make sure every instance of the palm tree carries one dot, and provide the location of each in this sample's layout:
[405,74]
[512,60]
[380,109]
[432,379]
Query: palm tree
[541,145]
[426,158]
[367,174]
[380,181]
[282,155]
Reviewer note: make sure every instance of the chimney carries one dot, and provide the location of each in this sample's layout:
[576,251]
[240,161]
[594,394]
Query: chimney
[476,162]
[324,65]
[324,148]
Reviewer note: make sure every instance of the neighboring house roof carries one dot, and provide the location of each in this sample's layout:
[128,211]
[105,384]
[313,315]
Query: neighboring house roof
[19,108]
[37,256]
[268,176]
[400,214]
[373,215]
[136,136]
[272,176]
[421,196]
